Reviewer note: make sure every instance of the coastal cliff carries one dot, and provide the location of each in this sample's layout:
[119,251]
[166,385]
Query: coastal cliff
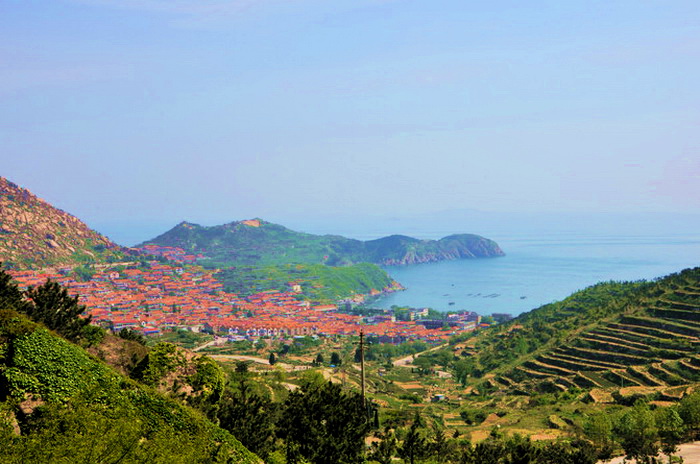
[408,250]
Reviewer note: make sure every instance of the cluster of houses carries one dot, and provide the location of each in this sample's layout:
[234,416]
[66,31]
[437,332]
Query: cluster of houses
[178,295]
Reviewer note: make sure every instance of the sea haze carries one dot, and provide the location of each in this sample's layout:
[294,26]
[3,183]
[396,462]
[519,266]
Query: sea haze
[541,269]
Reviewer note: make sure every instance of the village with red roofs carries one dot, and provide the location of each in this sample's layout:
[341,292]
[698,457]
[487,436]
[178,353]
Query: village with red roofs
[177,294]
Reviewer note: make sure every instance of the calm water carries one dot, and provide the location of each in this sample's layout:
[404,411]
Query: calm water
[541,270]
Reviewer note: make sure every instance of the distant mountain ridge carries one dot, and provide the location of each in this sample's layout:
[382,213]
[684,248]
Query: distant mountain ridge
[256,241]
[33,233]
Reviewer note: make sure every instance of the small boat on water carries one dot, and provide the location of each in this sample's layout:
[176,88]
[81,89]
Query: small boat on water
[451,303]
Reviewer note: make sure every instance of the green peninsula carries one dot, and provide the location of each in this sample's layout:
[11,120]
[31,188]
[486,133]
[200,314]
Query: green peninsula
[261,243]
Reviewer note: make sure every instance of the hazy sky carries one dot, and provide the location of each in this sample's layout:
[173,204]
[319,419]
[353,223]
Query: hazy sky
[213,110]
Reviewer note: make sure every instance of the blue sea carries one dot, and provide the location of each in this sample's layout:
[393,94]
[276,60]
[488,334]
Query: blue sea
[539,270]
[549,256]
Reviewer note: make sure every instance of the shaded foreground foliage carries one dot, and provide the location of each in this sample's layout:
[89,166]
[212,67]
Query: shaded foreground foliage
[423,445]
[59,404]
[324,424]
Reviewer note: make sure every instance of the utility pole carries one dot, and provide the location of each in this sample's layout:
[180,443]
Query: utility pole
[362,367]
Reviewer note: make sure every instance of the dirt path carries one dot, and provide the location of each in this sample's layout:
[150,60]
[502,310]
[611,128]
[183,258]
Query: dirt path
[215,342]
[409,359]
[240,357]
[690,452]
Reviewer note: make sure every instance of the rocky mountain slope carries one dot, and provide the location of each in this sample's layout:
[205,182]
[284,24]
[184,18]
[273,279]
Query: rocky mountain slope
[34,234]
[259,242]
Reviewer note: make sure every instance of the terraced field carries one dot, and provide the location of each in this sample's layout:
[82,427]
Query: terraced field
[654,343]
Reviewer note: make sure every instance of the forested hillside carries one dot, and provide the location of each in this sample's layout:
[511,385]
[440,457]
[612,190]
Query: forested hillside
[258,242]
[611,336]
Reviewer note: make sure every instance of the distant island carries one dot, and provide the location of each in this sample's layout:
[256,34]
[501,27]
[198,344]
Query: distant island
[258,242]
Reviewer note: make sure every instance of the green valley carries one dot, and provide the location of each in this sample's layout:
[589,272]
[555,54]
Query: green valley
[317,282]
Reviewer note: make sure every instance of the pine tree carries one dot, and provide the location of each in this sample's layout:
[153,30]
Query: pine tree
[323,424]
[335,359]
[10,296]
[250,417]
[414,446]
[384,450]
[439,443]
[56,309]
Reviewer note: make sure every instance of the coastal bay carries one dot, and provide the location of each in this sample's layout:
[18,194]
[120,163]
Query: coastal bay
[539,270]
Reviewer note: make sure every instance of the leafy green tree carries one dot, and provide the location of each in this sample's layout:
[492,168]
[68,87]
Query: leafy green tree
[208,383]
[335,359]
[128,333]
[473,416]
[163,359]
[324,424]
[689,410]
[671,430]
[638,433]
[319,359]
[522,450]
[241,367]
[598,429]
[92,335]
[83,273]
[358,355]
[489,450]
[423,364]
[272,359]
[567,452]
[463,369]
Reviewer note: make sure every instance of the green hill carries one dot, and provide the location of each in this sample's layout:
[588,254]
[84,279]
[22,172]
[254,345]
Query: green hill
[51,388]
[610,336]
[319,283]
[257,242]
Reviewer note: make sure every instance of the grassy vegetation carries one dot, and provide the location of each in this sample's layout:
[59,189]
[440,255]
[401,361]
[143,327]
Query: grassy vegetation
[182,337]
[319,283]
[51,386]
[267,244]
